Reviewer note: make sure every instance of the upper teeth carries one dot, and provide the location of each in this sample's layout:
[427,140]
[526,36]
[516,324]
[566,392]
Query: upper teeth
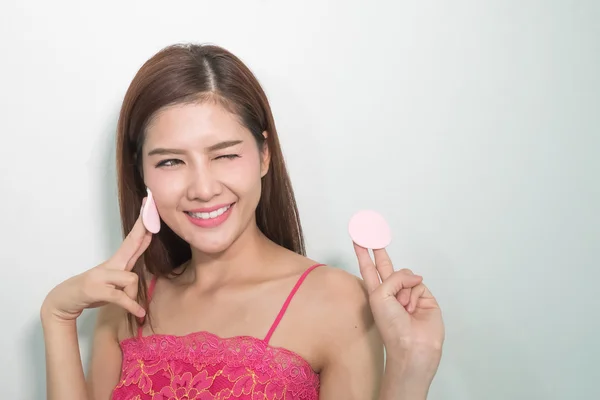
[212,214]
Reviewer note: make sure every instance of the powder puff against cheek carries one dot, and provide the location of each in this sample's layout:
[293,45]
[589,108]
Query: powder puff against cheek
[150,216]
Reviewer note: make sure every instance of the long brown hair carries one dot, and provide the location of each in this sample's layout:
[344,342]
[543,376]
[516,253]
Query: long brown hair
[188,73]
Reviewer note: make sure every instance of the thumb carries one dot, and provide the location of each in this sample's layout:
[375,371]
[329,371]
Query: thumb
[397,281]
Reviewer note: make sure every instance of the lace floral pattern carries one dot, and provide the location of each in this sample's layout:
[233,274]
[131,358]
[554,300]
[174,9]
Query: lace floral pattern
[204,366]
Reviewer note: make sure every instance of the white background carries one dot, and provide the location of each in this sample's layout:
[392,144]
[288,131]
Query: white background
[474,127]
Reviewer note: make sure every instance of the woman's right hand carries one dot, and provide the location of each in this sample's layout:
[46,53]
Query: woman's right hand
[109,282]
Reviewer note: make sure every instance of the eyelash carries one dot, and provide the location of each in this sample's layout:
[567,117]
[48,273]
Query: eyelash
[164,163]
[173,160]
[228,156]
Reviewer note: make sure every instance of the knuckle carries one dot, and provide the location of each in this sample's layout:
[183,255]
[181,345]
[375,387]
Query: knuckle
[398,275]
[134,278]
[406,271]
[90,281]
[386,264]
[114,296]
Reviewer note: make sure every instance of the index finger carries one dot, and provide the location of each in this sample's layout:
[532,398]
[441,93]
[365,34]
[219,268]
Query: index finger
[134,244]
[367,268]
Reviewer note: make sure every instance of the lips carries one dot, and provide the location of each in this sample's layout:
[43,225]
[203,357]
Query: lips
[210,217]
[208,213]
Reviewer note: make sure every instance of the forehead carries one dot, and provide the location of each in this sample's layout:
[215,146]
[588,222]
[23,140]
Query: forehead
[204,122]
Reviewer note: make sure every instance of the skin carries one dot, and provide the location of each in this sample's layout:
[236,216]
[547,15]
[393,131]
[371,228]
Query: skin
[237,280]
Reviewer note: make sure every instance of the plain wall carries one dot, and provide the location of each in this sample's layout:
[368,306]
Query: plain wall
[473,127]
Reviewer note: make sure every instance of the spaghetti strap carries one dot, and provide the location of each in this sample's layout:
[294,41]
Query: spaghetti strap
[150,292]
[287,302]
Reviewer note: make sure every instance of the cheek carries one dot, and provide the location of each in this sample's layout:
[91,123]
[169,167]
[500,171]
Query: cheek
[167,188]
[241,174]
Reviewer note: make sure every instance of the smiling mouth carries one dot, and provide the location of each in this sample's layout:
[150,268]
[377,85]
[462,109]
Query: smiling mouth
[210,215]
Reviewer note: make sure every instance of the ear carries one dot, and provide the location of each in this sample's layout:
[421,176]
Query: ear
[265,156]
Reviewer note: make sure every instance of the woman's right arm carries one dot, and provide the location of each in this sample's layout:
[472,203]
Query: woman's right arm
[110,285]
[105,365]
[64,370]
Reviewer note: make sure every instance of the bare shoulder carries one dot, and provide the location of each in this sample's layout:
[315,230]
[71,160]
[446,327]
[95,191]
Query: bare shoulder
[342,297]
[337,303]
[335,300]
[351,351]
[336,280]
[341,315]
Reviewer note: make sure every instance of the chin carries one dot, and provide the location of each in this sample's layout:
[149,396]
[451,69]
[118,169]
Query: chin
[212,246]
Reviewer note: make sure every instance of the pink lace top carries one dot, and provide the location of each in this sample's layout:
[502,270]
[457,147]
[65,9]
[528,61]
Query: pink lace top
[203,366]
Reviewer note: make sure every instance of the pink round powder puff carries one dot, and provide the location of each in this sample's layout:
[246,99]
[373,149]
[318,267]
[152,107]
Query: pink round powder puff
[369,229]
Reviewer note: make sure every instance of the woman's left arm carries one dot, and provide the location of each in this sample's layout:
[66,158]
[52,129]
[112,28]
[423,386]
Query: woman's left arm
[354,352]
[410,322]
[387,308]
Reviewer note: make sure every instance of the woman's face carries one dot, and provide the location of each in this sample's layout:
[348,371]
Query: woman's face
[204,169]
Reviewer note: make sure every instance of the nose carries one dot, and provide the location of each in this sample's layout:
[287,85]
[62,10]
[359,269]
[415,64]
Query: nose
[203,184]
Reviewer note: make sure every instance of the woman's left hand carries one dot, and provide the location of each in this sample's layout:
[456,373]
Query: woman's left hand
[407,315]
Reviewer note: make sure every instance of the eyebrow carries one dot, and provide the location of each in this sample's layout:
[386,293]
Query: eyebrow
[214,147]
[223,145]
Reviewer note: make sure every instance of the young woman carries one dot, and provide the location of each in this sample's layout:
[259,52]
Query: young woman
[222,302]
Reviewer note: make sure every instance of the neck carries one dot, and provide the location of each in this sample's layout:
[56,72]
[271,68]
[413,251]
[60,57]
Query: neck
[248,254]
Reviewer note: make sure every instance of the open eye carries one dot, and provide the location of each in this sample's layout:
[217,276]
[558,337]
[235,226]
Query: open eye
[168,163]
